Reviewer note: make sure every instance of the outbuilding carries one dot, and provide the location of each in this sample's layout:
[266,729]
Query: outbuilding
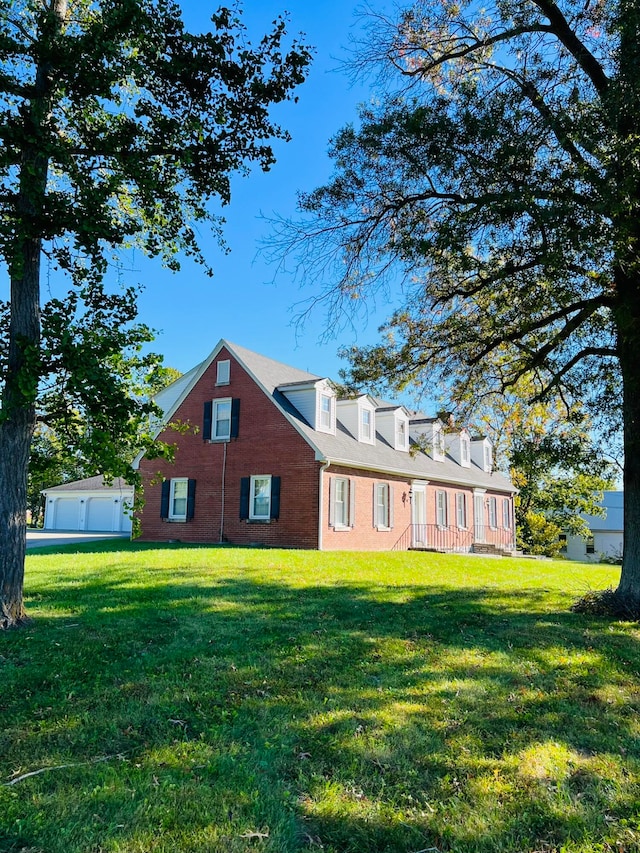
[90,505]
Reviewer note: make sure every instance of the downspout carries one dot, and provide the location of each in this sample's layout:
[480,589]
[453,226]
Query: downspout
[224,468]
[323,467]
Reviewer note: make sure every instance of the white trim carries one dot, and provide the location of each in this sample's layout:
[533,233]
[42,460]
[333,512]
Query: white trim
[252,497]
[223,371]
[220,401]
[172,516]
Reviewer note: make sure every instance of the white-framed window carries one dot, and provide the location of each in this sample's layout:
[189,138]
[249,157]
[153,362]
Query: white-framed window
[590,545]
[461,510]
[401,434]
[506,513]
[178,494]
[326,411]
[382,518]
[465,451]
[223,372]
[366,424]
[487,458]
[260,497]
[341,503]
[221,419]
[493,513]
[441,508]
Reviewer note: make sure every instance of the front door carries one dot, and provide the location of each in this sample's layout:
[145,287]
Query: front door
[419,517]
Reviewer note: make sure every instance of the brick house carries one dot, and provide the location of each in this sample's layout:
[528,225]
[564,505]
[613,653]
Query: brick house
[272,457]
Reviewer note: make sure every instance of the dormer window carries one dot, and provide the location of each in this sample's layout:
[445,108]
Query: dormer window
[487,458]
[366,424]
[465,452]
[325,411]
[401,434]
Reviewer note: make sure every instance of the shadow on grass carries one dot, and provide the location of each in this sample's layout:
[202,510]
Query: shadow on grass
[354,717]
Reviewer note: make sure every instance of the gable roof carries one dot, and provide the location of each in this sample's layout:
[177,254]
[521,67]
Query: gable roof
[92,484]
[342,448]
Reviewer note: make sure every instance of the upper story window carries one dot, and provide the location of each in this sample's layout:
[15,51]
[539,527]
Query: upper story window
[223,372]
[401,434]
[487,458]
[465,451]
[221,419]
[326,411]
[367,425]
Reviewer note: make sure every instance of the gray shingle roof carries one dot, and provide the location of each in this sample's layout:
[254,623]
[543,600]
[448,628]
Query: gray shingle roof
[342,448]
[92,484]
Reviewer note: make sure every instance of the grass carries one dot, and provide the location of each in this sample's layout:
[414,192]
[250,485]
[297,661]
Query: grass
[202,699]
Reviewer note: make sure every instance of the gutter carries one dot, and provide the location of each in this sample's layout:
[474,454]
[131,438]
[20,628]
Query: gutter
[323,467]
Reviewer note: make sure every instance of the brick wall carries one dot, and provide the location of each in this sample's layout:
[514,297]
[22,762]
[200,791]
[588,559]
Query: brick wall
[266,444]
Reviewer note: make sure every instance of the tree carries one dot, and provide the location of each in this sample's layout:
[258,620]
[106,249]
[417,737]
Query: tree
[118,128]
[560,469]
[497,179]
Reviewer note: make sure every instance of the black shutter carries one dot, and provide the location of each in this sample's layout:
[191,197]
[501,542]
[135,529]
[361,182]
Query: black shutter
[235,417]
[164,499]
[245,485]
[207,420]
[191,499]
[275,497]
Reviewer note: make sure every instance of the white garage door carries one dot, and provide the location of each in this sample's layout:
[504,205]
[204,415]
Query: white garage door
[67,514]
[100,514]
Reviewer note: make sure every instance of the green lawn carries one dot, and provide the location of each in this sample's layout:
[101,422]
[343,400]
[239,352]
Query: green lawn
[230,700]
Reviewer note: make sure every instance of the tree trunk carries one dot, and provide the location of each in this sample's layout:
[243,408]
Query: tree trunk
[18,413]
[628,591]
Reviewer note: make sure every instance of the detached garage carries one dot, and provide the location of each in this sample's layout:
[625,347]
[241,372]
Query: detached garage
[89,505]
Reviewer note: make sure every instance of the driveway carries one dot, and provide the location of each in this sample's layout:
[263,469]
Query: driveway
[40,538]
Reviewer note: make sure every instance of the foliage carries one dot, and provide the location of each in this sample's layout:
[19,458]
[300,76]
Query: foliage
[536,534]
[220,699]
[494,180]
[120,129]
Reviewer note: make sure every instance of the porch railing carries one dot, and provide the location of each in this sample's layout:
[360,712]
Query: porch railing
[435,538]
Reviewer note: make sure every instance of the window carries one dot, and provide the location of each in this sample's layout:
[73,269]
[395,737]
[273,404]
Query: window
[382,506]
[326,419]
[221,419]
[461,510]
[506,514]
[590,545]
[563,543]
[366,425]
[440,444]
[223,372]
[259,498]
[341,503]
[465,452]
[493,513]
[487,458]
[441,509]
[177,499]
[401,435]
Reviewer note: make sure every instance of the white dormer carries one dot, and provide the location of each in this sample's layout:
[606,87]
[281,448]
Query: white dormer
[429,433]
[393,425]
[459,447]
[358,415]
[482,453]
[316,402]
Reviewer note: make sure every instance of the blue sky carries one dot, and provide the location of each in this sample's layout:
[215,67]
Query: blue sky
[244,302]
